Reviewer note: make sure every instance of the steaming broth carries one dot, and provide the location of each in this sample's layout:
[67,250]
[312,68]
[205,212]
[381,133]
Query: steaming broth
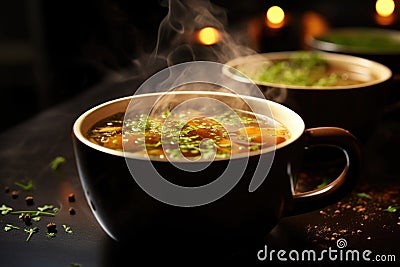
[189,134]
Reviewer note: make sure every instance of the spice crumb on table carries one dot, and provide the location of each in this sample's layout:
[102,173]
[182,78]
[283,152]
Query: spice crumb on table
[365,213]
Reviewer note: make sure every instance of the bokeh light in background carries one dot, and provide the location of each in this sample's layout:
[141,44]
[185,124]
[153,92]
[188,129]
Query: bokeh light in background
[313,24]
[275,17]
[385,8]
[208,36]
[384,12]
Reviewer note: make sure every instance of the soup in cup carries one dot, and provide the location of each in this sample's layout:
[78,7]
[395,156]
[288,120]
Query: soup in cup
[230,176]
[325,89]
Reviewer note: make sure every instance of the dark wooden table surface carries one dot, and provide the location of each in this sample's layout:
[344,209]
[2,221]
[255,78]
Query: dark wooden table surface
[361,219]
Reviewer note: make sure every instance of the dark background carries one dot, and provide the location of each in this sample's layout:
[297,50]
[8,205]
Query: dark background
[51,51]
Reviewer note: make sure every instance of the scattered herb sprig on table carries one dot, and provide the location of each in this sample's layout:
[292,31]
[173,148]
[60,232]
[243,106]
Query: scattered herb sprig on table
[57,162]
[9,227]
[364,195]
[46,210]
[34,215]
[25,187]
[67,229]
[30,232]
[5,209]
[392,209]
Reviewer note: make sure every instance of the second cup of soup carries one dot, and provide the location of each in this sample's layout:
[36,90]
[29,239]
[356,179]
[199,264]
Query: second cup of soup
[326,89]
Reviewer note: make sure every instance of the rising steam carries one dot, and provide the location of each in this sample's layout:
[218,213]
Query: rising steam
[176,42]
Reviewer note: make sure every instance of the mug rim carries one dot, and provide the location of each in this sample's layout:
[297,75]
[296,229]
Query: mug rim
[297,125]
[383,72]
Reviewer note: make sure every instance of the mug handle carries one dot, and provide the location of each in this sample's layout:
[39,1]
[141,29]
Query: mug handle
[346,180]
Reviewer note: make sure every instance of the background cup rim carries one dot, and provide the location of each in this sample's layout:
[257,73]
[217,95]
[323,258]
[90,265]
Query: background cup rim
[383,72]
[316,42]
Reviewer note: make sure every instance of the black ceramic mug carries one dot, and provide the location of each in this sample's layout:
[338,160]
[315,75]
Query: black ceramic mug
[128,210]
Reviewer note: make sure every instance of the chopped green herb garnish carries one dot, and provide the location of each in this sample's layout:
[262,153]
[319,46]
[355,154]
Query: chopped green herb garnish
[45,207]
[303,68]
[33,213]
[5,209]
[364,195]
[36,219]
[75,265]
[392,209]
[9,227]
[50,235]
[67,229]
[55,164]
[195,134]
[25,187]
[166,114]
[30,232]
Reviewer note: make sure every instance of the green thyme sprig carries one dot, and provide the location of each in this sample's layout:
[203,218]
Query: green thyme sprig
[26,187]
[364,195]
[30,232]
[67,229]
[5,209]
[57,162]
[33,213]
[9,227]
[392,209]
